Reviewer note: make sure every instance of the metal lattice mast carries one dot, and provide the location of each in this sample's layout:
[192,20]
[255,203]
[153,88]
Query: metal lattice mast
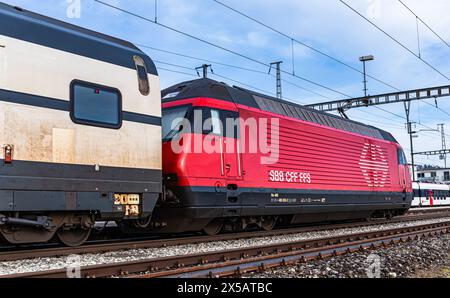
[444,145]
[407,105]
[278,68]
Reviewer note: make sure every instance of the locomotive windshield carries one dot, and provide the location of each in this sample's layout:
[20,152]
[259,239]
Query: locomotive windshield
[172,118]
[401,157]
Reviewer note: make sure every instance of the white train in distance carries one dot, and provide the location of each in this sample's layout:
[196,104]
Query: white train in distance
[431,195]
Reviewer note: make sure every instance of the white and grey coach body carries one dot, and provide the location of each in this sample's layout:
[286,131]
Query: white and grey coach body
[80,128]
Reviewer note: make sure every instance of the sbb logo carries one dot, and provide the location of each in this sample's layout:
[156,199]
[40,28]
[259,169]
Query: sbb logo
[289,177]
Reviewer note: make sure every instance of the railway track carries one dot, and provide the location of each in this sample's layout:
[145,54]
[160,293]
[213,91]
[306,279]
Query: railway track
[115,245]
[244,260]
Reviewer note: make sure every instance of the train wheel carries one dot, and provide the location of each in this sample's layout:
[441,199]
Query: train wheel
[213,228]
[143,223]
[267,224]
[73,237]
[389,215]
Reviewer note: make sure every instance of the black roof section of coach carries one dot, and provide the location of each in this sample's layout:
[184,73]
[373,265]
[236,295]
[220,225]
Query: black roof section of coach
[35,28]
[214,89]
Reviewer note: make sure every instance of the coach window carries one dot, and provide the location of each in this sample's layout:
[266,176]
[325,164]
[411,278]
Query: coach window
[144,85]
[96,105]
[424,193]
[446,176]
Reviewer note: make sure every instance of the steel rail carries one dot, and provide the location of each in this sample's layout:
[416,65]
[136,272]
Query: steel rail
[13,255]
[226,262]
[115,245]
[295,256]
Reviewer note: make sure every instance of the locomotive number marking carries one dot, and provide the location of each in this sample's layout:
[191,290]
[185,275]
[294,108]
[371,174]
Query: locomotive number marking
[289,177]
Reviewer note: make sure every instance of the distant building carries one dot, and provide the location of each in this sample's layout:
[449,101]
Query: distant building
[433,174]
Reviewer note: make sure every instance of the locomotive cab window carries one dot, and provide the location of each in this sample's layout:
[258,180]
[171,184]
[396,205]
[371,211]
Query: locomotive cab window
[172,121]
[401,157]
[231,123]
[216,122]
[96,105]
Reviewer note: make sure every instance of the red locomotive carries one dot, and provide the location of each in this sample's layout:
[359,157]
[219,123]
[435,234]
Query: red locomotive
[309,167]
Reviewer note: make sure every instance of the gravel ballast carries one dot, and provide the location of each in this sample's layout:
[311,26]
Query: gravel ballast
[50,263]
[427,257]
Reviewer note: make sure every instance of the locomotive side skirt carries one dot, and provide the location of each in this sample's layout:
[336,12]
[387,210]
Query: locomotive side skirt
[260,201]
[201,204]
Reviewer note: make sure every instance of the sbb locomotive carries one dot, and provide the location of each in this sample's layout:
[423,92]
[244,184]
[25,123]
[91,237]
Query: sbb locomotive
[87,136]
[316,167]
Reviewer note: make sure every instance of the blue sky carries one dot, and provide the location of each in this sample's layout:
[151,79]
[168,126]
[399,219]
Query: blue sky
[327,25]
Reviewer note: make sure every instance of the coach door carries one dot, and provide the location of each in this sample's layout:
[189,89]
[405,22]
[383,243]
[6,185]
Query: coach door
[431,197]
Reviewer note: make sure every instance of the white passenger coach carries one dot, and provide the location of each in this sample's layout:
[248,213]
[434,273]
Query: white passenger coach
[431,195]
[80,130]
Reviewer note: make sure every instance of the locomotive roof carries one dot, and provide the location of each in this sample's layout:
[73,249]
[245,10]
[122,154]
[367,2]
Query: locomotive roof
[214,89]
[24,25]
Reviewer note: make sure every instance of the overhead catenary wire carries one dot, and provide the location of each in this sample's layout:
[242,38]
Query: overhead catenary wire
[220,76]
[402,45]
[418,38]
[217,46]
[404,118]
[292,39]
[426,25]
[243,55]
[395,40]
[232,66]
[257,71]
[390,126]
[200,59]
[436,107]
[268,92]
[171,64]
[176,71]
[375,121]
[244,84]
[156,11]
